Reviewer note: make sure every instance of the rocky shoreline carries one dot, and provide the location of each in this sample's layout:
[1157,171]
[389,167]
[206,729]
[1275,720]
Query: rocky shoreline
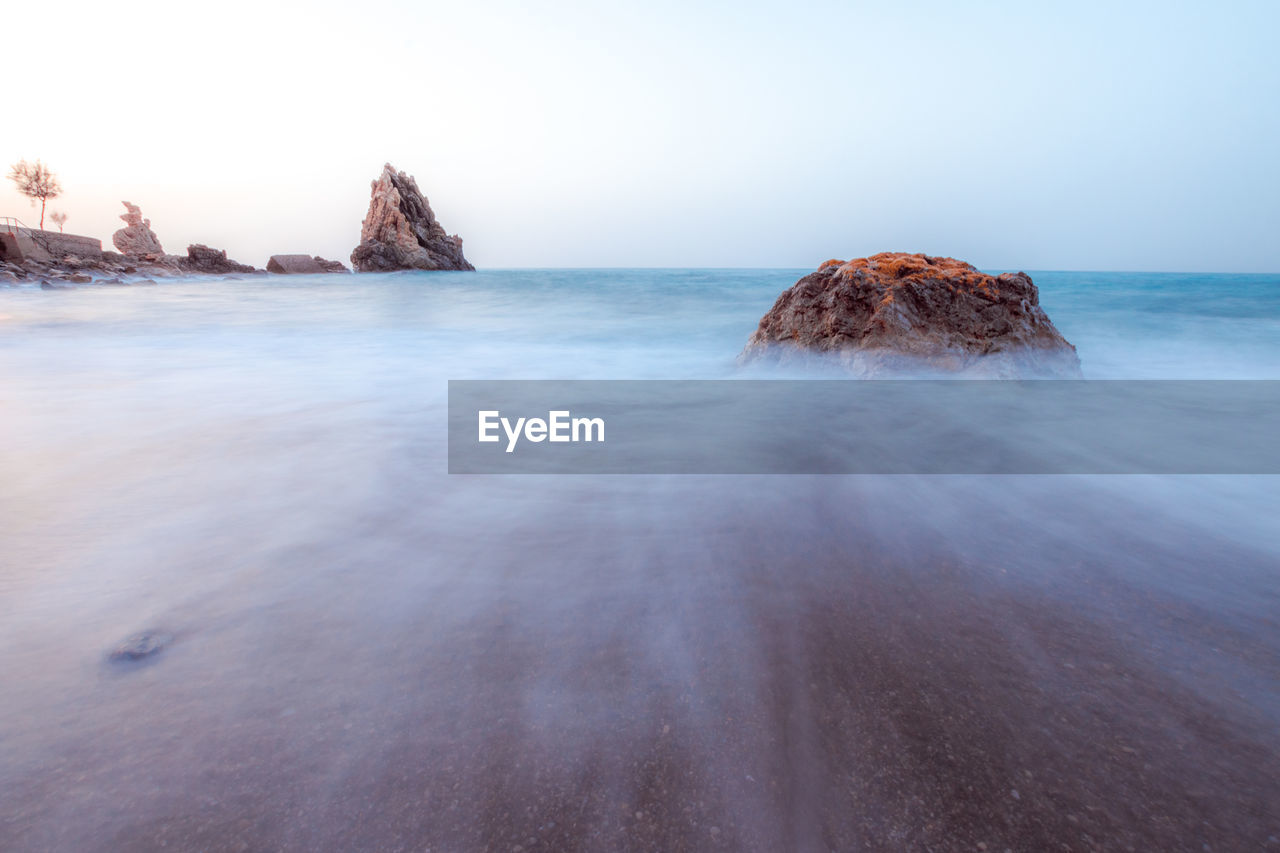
[35,257]
[400,232]
[114,268]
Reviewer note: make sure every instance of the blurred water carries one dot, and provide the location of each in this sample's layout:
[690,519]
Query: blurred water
[370,654]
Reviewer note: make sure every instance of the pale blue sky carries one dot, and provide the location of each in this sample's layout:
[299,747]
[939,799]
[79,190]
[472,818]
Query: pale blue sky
[1038,136]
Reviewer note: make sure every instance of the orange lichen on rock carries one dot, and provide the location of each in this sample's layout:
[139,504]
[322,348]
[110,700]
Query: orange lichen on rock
[903,268]
[831,263]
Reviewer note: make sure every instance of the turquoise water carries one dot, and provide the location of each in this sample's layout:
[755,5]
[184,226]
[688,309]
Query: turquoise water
[1168,325]
[614,323]
[369,653]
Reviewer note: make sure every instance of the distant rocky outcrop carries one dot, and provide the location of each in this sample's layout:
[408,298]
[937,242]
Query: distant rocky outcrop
[303,265]
[202,259]
[400,231]
[111,268]
[136,239]
[896,312]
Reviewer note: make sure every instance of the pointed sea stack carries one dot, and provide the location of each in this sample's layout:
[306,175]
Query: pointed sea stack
[401,232]
[895,313]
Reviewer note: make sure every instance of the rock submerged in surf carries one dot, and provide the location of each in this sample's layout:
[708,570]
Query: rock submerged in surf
[142,645]
[896,313]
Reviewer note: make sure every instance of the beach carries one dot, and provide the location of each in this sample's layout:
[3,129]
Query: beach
[363,651]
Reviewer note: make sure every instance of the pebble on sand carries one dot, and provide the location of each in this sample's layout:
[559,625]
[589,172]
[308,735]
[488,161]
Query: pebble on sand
[142,645]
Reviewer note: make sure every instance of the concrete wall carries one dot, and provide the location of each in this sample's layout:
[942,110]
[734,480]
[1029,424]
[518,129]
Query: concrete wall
[9,249]
[18,244]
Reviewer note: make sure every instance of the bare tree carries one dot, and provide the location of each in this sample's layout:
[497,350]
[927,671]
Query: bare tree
[59,218]
[35,181]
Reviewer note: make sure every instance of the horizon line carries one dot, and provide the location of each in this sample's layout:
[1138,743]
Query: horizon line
[1028,270]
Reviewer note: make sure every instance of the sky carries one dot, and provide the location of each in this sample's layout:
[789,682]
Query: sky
[1080,135]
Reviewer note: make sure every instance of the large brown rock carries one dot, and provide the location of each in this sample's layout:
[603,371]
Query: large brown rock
[136,238]
[303,265]
[894,313]
[202,259]
[400,231]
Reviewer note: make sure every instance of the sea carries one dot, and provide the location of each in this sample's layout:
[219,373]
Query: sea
[349,648]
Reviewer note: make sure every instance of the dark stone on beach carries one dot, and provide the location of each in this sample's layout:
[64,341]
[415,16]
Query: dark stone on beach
[401,232]
[303,265]
[79,278]
[899,313]
[142,645]
[45,284]
[202,259]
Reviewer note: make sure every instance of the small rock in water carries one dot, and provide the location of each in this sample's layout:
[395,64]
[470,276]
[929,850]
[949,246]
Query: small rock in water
[141,646]
[202,259]
[303,265]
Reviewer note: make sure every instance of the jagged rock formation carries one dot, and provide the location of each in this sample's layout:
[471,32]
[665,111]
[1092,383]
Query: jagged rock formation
[136,238]
[303,265]
[202,259]
[896,312]
[401,232]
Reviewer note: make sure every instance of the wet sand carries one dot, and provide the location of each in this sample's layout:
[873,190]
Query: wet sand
[659,664]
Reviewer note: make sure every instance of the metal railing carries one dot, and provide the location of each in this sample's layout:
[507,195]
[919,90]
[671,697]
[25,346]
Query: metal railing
[13,223]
